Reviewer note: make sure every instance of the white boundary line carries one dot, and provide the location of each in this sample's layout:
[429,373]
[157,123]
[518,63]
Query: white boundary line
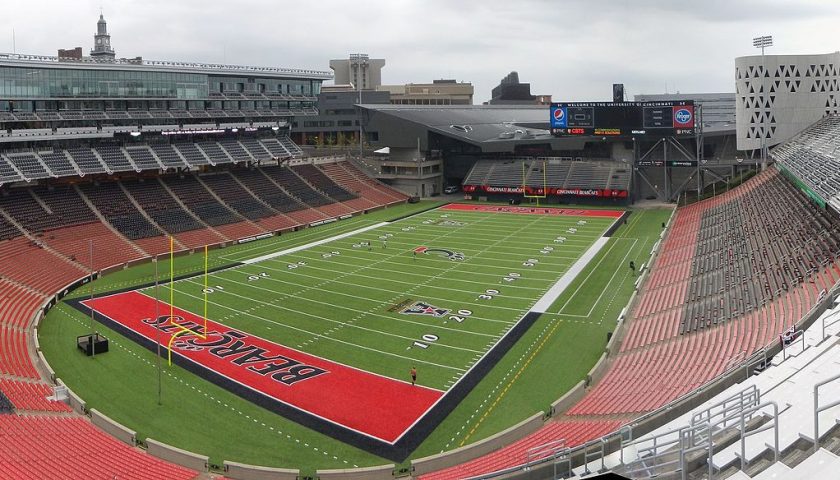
[313,244]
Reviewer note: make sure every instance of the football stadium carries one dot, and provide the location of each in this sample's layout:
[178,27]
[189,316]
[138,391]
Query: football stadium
[201,278]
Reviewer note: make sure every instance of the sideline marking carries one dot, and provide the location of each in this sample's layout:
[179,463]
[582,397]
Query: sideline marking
[553,293]
[313,244]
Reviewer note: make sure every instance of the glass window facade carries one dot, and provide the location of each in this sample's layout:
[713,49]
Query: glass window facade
[24,88]
[21,82]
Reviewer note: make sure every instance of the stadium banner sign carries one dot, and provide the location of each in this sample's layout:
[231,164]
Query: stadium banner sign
[814,196]
[274,376]
[255,238]
[577,192]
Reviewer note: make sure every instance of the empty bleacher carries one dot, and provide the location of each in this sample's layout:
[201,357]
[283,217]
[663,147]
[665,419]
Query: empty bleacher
[161,207]
[42,446]
[86,160]
[292,183]
[144,159]
[7,173]
[29,165]
[214,152]
[256,149]
[118,210]
[58,162]
[700,310]
[191,154]
[236,197]
[812,156]
[115,158]
[169,157]
[323,183]
[558,173]
[235,150]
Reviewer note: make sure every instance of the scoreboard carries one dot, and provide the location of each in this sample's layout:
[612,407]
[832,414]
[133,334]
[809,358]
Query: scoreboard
[624,119]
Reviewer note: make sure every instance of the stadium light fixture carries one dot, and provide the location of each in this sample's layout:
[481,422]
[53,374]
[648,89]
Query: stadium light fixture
[275,128]
[762,43]
[234,130]
[135,134]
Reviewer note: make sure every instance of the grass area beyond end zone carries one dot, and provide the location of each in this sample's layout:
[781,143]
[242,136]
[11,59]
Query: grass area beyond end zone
[201,417]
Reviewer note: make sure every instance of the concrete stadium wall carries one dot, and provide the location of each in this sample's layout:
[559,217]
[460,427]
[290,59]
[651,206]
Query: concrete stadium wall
[382,472]
[76,403]
[113,428]
[451,458]
[177,456]
[569,398]
[242,471]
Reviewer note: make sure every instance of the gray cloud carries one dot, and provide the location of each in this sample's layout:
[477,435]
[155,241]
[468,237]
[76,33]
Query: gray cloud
[572,49]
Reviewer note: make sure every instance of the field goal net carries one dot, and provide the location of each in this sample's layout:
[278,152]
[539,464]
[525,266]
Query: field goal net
[534,181]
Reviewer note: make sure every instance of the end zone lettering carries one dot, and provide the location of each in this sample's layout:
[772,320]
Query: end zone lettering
[313,389]
[231,347]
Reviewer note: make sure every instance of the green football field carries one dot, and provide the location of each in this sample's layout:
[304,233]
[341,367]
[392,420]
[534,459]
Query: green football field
[369,301]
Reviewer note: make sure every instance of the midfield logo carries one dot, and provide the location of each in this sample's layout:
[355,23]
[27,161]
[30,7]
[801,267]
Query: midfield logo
[454,256]
[423,308]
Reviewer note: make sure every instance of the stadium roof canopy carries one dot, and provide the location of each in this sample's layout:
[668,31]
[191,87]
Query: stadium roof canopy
[493,128]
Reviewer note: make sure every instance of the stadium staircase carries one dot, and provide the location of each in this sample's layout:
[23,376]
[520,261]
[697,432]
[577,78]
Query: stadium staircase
[45,238]
[733,273]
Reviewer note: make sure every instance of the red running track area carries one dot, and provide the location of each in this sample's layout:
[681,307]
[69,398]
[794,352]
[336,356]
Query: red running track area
[371,404]
[532,210]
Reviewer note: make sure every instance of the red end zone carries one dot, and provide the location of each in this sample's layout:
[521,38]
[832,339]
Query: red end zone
[533,210]
[374,405]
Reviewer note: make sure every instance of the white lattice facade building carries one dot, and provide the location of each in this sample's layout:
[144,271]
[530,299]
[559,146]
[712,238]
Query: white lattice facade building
[780,95]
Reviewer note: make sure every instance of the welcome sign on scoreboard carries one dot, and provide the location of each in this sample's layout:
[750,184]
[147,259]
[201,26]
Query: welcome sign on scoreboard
[624,119]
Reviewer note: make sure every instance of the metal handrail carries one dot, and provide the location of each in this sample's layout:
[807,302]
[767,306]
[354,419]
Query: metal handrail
[818,408]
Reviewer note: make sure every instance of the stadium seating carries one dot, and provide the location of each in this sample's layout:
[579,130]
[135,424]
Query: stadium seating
[192,155]
[812,157]
[26,395]
[169,157]
[7,173]
[550,172]
[214,152]
[115,159]
[120,212]
[572,432]
[86,160]
[29,165]
[367,187]
[235,151]
[41,446]
[206,207]
[296,186]
[143,158]
[256,149]
[50,228]
[24,262]
[323,183]
[235,196]
[695,317]
[58,162]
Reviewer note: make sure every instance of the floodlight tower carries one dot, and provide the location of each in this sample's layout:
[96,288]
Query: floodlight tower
[762,43]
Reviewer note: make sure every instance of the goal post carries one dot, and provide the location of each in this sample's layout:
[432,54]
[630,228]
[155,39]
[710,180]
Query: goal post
[534,193]
[182,329]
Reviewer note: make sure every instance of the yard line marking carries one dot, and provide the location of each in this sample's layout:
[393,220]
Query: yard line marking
[313,244]
[272,305]
[297,296]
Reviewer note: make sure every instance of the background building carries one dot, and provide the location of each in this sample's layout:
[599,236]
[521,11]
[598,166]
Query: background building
[358,70]
[439,92]
[780,95]
[510,91]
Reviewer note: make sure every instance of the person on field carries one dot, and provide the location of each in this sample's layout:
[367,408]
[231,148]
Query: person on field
[413,373]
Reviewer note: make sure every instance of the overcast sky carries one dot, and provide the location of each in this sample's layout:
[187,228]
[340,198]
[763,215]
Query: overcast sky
[571,49]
